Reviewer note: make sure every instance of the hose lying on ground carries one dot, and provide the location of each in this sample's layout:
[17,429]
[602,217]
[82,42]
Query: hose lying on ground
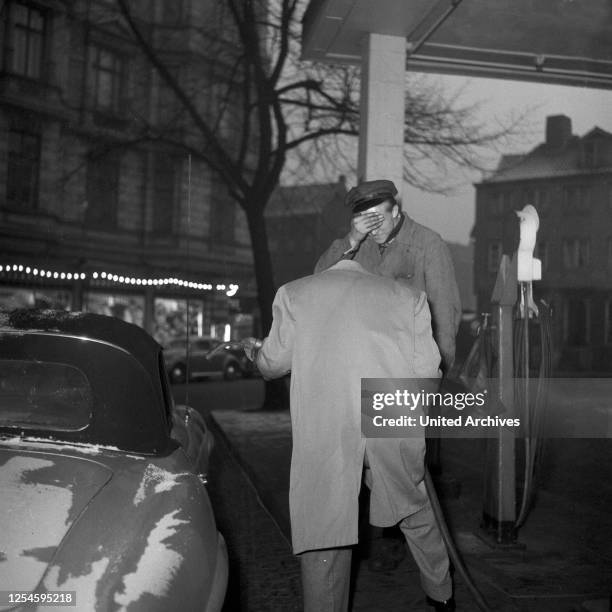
[450,545]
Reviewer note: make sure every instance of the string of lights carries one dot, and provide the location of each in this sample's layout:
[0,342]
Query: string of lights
[29,272]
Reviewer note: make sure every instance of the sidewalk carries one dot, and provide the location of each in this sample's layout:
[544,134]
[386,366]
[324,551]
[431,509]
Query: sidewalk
[565,565]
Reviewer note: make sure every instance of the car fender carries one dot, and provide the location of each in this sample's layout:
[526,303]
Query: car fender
[148,541]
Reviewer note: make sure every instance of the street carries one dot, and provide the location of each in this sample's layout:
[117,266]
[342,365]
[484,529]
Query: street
[568,534]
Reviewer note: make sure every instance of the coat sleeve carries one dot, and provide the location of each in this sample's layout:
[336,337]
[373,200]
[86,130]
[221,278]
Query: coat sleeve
[426,354]
[444,300]
[274,358]
[334,254]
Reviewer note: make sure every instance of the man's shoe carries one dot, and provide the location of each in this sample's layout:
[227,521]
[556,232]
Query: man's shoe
[442,606]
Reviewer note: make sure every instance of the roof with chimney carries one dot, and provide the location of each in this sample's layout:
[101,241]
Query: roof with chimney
[294,200]
[562,154]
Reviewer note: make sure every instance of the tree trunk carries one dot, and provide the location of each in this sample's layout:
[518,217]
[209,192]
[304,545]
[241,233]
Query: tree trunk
[276,395]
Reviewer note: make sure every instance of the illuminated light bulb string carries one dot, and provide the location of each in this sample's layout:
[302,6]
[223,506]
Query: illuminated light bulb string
[230,289]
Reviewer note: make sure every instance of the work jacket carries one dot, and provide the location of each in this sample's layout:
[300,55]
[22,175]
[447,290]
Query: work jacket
[330,330]
[419,257]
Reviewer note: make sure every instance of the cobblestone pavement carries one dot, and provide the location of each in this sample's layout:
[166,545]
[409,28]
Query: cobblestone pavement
[264,574]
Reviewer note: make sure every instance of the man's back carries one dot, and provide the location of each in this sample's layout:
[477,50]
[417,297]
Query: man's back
[334,328]
[345,315]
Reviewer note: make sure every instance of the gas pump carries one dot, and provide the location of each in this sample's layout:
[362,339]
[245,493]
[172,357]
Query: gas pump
[502,355]
[513,308]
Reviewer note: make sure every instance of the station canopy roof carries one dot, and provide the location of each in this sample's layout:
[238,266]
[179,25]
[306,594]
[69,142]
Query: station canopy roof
[553,41]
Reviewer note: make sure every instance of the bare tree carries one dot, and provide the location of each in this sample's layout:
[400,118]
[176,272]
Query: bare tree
[267,105]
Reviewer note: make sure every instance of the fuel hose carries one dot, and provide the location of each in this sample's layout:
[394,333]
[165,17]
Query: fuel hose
[450,545]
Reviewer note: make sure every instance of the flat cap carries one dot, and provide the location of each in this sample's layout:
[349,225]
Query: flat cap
[369,194]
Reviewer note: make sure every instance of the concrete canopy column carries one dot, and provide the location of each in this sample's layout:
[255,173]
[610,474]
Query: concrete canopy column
[381,135]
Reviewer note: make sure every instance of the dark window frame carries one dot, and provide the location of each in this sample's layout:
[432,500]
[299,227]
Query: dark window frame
[165,198]
[29,35]
[542,253]
[575,253]
[223,221]
[577,198]
[103,183]
[16,162]
[117,74]
[493,266]
[608,321]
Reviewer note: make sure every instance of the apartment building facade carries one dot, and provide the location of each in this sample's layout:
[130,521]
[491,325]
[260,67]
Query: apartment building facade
[568,178]
[102,206]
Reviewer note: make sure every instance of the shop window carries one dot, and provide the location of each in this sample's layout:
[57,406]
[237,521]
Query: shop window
[102,191]
[27,35]
[128,308]
[18,297]
[23,169]
[175,320]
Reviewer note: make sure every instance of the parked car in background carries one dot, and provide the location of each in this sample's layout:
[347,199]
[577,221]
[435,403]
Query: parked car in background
[102,476]
[203,356]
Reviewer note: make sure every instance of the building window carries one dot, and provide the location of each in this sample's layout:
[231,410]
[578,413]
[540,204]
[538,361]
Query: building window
[172,12]
[164,193]
[223,218]
[577,321]
[500,203]
[542,254]
[494,254]
[577,198]
[591,153]
[102,191]
[169,108]
[108,79]
[23,169]
[608,320]
[576,253]
[28,38]
[541,201]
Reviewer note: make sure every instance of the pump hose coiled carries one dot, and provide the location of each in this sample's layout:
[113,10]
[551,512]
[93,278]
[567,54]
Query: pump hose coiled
[533,411]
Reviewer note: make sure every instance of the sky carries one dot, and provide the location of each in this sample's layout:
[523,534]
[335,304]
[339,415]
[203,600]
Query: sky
[453,215]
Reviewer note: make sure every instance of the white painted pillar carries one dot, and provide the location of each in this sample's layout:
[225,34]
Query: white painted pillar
[381,135]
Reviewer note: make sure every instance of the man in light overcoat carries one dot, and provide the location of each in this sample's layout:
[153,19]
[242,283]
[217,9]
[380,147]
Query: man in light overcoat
[330,330]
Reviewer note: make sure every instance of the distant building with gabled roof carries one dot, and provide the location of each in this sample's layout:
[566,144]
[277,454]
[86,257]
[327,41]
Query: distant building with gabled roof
[302,221]
[568,178]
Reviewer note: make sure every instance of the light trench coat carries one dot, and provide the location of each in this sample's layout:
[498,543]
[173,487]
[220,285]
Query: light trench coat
[330,330]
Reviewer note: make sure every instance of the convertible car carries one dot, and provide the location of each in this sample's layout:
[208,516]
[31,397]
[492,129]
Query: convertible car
[102,477]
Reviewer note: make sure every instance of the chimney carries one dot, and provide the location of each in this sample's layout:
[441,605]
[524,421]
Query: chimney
[558,130]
